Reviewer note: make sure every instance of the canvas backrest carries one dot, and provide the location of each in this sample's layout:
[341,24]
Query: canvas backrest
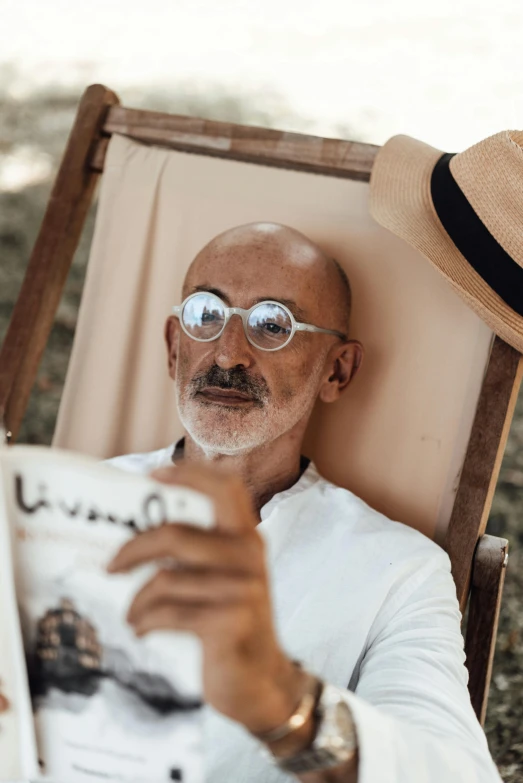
[399,434]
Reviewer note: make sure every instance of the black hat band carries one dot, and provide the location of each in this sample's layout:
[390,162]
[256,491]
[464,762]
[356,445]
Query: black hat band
[473,239]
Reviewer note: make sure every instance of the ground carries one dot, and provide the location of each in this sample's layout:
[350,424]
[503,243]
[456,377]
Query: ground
[38,128]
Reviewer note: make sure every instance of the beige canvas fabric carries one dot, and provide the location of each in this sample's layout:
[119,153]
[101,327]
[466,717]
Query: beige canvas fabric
[397,438]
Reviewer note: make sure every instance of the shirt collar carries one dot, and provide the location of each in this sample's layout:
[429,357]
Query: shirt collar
[308,477]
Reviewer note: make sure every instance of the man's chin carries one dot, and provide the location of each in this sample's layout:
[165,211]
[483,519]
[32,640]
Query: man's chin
[227,444]
[224,429]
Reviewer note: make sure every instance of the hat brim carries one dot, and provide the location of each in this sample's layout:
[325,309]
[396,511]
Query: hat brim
[400,200]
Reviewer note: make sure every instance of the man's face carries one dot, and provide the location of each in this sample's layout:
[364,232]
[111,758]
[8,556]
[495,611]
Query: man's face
[231,396]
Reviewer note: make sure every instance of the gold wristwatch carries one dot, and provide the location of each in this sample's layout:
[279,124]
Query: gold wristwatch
[335,740]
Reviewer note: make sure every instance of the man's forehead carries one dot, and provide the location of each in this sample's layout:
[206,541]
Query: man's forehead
[234,300]
[256,273]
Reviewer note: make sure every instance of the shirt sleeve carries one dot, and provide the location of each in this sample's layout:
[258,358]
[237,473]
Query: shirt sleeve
[411,706]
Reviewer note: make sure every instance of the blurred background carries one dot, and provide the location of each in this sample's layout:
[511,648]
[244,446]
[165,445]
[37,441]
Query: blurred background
[449,73]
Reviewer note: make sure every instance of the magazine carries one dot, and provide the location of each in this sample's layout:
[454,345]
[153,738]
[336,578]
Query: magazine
[86,699]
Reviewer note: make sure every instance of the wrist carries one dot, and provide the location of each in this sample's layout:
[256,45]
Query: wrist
[295,733]
[279,698]
[296,742]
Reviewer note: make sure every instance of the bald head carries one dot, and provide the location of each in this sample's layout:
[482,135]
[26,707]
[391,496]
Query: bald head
[283,262]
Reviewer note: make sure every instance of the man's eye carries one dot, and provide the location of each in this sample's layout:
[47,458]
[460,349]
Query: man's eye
[274,328]
[208,318]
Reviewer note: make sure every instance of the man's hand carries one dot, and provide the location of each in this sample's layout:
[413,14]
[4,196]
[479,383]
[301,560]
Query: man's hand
[220,592]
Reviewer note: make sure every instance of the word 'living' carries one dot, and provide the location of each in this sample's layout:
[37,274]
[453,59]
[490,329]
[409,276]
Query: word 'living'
[153,509]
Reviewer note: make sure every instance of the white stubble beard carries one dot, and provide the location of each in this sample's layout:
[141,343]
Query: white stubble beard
[258,427]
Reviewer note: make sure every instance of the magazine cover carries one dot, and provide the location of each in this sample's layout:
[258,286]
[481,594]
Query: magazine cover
[106,704]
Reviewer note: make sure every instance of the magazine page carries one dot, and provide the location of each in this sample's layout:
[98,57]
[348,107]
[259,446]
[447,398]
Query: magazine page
[106,704]
[18,757]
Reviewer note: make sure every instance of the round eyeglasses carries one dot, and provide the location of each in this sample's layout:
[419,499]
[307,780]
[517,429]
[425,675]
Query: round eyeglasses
[268,325]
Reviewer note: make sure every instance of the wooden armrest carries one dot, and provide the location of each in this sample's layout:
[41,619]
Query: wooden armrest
[488,577]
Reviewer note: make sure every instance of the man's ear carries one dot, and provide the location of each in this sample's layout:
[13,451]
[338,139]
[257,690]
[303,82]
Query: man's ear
[344,363]
[170,332]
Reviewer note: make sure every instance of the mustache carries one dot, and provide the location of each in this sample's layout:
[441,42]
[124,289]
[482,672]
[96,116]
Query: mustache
[236,379]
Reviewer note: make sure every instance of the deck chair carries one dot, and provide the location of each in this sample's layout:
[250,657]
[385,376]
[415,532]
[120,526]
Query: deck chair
[421,432]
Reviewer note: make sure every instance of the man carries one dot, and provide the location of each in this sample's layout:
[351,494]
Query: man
[296,568]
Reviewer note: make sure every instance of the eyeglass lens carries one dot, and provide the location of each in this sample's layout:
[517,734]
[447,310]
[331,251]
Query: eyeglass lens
[269,326]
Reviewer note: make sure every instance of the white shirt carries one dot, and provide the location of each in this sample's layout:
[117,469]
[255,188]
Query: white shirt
[370,606]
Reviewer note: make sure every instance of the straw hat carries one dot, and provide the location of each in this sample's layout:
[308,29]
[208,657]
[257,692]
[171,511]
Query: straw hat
[464,212]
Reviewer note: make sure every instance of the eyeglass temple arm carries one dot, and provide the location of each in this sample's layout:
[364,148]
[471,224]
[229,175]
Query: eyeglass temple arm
[311,328]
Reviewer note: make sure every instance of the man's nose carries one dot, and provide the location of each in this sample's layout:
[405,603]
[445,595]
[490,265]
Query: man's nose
[233,349]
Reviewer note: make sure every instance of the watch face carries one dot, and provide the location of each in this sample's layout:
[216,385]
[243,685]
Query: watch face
[343,719]
[336,733]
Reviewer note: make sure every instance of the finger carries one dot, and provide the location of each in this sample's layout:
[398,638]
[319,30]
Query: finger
[233,506]
[192,547]
[193,587]
[169,616]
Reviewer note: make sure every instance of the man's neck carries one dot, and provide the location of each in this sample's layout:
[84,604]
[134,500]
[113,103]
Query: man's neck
[267,470]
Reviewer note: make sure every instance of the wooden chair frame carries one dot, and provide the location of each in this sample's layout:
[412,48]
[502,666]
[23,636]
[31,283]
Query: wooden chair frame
[478,561]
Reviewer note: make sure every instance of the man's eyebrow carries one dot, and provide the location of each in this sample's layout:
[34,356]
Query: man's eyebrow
[208,289]
[290,303]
